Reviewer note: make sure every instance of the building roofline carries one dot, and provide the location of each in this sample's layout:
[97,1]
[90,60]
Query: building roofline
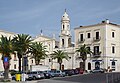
[102,23]
[44,37]
[8,32]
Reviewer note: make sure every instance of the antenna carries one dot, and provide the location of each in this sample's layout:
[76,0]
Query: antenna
[65,9]
[41,32]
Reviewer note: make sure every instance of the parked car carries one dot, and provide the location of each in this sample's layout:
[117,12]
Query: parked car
[50,72]
[47,75]
[13,72]
[25,75]
[75,71]
[81,71]
[58,73]
[68,72]
[1,73]
[35,75]
[97,71]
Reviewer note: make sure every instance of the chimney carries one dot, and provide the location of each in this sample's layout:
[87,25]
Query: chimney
[107,21]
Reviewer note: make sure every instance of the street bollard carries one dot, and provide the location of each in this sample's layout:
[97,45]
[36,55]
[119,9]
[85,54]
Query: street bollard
[17,77]
[23,76]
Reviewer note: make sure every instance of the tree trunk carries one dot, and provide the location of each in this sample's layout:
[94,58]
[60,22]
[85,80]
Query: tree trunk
[83,65]
[19,64]
[6,72]
[60,66]
[36,62]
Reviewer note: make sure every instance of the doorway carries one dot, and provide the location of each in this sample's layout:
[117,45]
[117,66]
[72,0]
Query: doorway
[97,65]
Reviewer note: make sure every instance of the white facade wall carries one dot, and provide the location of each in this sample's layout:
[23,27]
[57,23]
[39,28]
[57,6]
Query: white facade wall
[13,62]
[105,44]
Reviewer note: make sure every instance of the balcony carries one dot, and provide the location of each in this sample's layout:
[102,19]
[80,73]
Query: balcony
[81,41]
[96,38]
[96,54]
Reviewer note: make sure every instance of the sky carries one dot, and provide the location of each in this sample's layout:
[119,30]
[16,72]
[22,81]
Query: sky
[32,16]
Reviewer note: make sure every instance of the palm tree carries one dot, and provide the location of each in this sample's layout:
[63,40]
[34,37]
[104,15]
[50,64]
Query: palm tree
[83,53]
[6,49]
[59,55]
[38,52]
[21,43]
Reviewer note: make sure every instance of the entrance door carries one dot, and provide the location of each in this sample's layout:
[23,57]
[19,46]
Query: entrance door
[97,65]
[113,65]
[89,66]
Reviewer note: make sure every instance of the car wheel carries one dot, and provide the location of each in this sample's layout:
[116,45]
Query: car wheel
[34,78]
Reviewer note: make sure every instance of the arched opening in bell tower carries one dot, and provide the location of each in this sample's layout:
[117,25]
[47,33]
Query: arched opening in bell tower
[69,42]
[62,42]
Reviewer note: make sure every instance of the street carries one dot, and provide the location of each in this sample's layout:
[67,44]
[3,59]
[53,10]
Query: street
[86,78]
[81,78]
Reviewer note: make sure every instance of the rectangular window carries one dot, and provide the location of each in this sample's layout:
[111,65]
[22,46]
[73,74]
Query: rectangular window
[88,48]
[15,58]
[88,35]
[14,66]
[113,35]
[113,49]
[32,61]
[97,35]
[96,50]
[81,37]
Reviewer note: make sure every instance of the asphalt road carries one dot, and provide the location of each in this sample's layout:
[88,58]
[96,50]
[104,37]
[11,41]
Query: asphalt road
[86,78]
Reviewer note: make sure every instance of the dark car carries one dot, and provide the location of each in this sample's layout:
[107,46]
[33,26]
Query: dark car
[68,72]
[97,71]
[47,75]
[75,71]
[50,72]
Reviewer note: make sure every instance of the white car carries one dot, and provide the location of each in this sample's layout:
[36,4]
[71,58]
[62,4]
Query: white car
[97,71]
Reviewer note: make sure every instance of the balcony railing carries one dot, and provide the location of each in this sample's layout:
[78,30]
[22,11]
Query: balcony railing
[81,41]
[96,38]
[96,54]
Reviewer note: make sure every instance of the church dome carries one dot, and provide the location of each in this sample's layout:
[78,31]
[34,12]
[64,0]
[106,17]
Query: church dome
[65,16]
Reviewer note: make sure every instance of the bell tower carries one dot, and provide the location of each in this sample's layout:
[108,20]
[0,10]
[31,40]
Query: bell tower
[65,35]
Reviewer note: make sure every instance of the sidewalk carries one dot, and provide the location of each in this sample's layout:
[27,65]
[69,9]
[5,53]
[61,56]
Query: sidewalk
[20,82]
[13,81]
[23,82]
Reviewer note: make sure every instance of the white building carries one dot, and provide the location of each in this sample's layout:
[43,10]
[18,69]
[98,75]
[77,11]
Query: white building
[13,61]
[103,39]
[64,44]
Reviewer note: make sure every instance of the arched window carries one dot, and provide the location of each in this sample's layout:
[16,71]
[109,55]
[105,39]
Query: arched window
[68,26]
[89,66]
[62,42]
[69,42]
[32,61]
[63,26]
[113,65]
